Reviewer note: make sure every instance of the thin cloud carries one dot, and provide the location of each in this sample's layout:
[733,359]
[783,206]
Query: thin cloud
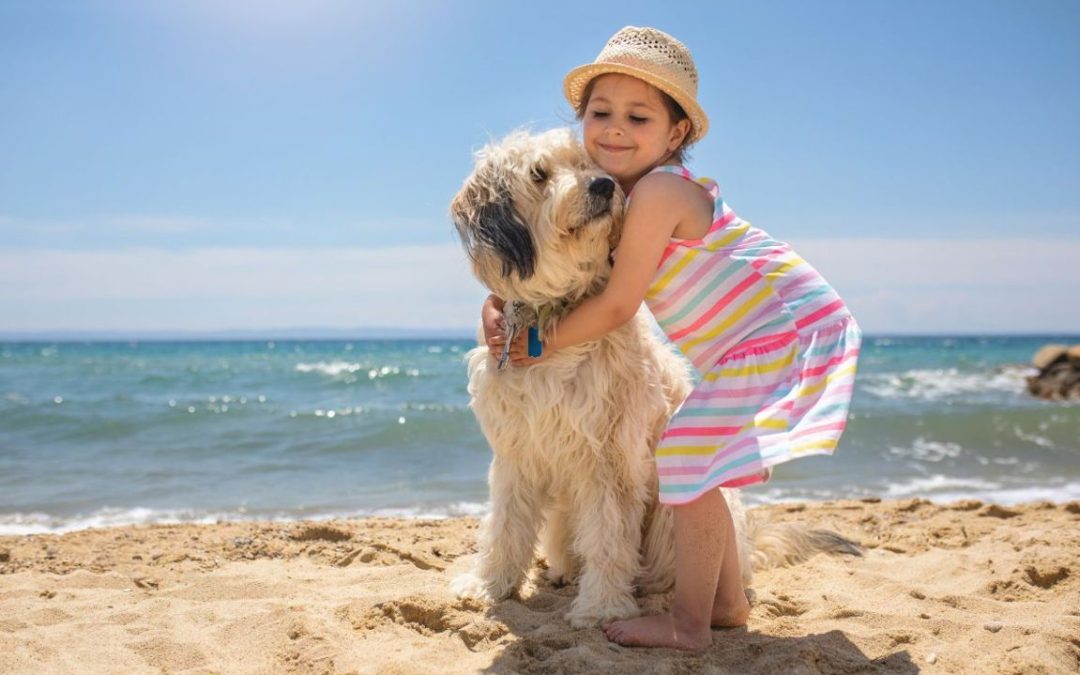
[158,224]
[237,288]
[892,285]
[133,229]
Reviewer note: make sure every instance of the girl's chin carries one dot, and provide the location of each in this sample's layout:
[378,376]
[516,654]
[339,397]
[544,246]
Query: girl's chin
[620,176]
[614,169]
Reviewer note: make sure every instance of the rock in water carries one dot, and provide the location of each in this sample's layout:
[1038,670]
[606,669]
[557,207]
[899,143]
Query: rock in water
[1048,355]
[1059,372]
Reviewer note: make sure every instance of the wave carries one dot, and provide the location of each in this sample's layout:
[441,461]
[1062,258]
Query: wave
[924,450]
[927,485]
[936,384]
[16,524]
[939,488]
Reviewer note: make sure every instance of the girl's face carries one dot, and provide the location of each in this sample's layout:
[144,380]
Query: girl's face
[627,128]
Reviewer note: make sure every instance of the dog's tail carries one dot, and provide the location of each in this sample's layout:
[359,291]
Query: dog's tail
[780,544]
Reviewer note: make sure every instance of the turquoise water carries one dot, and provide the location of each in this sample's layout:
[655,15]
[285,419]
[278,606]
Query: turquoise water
[104,433]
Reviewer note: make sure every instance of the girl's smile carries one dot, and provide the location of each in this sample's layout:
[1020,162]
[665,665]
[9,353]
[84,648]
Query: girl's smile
[612,148]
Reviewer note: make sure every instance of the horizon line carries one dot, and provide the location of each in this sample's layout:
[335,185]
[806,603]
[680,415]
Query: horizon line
[384,333]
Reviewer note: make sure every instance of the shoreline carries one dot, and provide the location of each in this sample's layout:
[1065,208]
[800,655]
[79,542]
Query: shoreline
[964,587]
[144,516]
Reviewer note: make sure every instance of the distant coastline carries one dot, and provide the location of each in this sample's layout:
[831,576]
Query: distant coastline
[387,333]
[240,335]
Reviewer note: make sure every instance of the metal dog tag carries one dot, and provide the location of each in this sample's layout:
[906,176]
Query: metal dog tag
[504,358]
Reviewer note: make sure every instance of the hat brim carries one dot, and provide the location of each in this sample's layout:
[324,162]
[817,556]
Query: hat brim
[577,79]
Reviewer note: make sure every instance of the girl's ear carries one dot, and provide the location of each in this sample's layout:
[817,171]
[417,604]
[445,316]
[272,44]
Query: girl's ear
[678,133]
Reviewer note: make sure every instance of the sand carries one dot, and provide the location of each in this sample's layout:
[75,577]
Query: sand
[954,588]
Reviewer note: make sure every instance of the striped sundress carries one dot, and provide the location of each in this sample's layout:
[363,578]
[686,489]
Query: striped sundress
[775,348]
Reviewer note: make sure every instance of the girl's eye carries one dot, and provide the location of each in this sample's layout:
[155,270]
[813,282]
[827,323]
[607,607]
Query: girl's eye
[538,174]
[638,120]
[598,113]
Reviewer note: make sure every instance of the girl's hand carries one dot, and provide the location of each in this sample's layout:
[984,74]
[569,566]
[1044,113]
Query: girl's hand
[491,317]
[519,350]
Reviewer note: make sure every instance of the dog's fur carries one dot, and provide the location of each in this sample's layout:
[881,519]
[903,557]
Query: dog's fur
[573,435]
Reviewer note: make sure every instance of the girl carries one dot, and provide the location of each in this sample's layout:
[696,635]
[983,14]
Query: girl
[774,345]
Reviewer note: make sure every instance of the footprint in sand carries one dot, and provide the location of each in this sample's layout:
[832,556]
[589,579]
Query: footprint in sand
[307,650]
[1045,576]
[163,653]
[49,617]
[781,605]
[320,533]
[427,616]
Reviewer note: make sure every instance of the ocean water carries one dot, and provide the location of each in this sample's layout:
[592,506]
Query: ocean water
[109,433]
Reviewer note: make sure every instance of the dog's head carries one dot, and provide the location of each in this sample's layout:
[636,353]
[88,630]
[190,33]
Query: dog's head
[538,219]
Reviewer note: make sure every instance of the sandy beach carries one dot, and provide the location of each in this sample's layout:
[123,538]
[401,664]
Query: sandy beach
[964,587]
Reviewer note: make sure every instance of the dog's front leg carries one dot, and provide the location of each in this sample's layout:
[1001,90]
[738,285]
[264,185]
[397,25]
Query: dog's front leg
[608,539]
[507,536]
[557,544]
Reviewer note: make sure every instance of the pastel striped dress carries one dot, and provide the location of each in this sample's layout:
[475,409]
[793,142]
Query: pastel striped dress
[773,343]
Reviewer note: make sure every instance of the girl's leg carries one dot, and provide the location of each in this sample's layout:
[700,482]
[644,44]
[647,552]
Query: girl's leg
[730,607]
[704,546]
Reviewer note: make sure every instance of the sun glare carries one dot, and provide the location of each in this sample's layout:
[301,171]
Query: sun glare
[278,34]
[269,18]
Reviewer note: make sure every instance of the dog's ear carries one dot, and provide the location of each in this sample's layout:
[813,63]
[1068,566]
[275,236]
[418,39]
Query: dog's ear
[491,221]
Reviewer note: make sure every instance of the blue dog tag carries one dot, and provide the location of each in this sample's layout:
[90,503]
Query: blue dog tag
[536,348]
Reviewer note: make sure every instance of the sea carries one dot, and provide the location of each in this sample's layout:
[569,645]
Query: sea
[107,433]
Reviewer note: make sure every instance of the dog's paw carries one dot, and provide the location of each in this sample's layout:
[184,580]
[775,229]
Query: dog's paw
[559,576]
[470,585]
[590,617]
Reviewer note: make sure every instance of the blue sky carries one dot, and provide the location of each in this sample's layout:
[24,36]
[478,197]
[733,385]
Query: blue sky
[205,166]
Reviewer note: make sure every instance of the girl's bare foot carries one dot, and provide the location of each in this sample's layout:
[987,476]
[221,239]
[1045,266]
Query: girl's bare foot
[731,616]
[659,630]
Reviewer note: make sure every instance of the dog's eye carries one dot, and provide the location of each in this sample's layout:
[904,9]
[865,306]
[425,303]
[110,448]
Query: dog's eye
[538,174]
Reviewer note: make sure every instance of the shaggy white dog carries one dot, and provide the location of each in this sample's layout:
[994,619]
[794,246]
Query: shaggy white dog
[573,435]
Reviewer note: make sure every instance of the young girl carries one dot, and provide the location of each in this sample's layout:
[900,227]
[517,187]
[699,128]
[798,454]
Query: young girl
[774,345]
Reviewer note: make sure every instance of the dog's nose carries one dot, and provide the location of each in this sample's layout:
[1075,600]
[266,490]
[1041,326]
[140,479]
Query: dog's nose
[602,187]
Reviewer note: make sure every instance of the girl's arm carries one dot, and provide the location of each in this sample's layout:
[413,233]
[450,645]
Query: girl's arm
[655,212]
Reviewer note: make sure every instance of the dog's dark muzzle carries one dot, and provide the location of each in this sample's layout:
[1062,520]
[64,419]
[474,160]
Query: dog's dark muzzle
[602,187]
[598,203]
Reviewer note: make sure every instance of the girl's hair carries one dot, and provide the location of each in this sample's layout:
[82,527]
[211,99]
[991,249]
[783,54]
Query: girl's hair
[675,112]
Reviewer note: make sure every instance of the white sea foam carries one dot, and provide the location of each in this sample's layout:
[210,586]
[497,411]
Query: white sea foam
[928,451]
[935,384]
[1033,438]
[927,486]
[16,524]
[42,523]
[1019,495]
[936,488]
[942,489]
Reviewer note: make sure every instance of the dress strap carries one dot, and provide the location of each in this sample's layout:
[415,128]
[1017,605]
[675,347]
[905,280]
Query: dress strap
[679,170]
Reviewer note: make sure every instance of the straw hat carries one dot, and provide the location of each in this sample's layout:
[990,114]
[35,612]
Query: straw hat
[651,55]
